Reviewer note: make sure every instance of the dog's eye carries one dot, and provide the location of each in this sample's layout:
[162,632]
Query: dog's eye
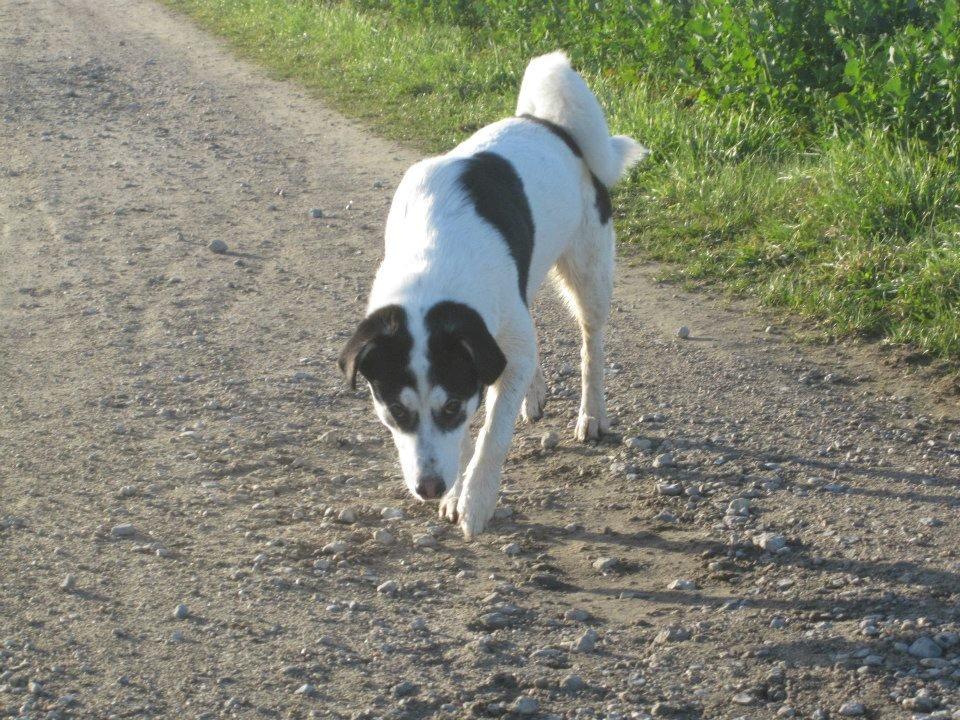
[450,409]
[398,411]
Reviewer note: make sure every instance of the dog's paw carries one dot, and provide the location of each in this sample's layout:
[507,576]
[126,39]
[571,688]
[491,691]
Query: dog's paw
[448,507]
[591,428]
[475,515]
[536,399]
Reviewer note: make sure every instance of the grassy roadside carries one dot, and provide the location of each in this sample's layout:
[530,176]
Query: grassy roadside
[859,232]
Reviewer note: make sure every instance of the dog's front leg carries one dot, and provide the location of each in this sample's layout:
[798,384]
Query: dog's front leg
[448,506]
[481,482]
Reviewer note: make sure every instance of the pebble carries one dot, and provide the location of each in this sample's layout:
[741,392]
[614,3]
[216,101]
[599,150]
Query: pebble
[683,332]
[511,549]
[550,440]
[682,584]
[664,460]
[425,541]
[739,506]
[573,683]
[669,489]
[576,615]
[218,247]
[316,213]
[853,709]
[743,698]
[383,537]
[924,647]
[347,516]
[334,548]
[123,531]
[494,621]
[180,612]
[638,443]
[307,690]
[69,582]
[391,513]
[403,689]
[585,643]
[671,634]
[525,705]
[387,588]
[771,542]
[605,564]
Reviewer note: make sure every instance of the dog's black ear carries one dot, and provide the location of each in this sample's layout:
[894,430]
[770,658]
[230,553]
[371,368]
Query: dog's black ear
[383,328]
[461,323]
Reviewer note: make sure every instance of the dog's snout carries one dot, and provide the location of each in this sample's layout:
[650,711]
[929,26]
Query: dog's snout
[431,487]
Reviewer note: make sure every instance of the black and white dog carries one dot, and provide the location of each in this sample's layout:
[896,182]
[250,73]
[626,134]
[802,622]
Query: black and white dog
[470,237]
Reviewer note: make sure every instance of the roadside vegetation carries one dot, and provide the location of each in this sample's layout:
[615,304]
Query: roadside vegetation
[804,153]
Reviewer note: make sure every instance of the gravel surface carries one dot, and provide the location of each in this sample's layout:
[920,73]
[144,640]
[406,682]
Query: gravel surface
[199,520]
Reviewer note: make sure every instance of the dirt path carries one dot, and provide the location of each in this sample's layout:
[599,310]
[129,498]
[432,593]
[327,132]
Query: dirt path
[173,431]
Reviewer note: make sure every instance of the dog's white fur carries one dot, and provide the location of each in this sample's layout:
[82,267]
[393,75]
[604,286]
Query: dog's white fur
[438,248]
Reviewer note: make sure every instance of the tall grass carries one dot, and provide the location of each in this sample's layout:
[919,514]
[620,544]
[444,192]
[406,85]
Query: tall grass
[850,219]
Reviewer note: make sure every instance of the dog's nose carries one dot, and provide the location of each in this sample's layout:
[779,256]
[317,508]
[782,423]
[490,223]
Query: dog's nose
[431,487]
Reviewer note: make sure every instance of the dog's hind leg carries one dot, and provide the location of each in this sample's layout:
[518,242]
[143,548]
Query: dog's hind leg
[481,482]
[536,398]
[585,272]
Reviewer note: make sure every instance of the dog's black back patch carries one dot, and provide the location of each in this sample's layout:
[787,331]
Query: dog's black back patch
[498,196]
[380,351]
[602,201]
[556,130]
[462,353]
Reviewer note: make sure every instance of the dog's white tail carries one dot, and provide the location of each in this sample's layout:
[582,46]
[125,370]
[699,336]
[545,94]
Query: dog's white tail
[552,90]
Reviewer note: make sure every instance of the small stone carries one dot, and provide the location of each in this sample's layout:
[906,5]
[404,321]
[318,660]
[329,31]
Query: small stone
[218,247]
[403,689]
[739,507]
[180,612]
[853,709]
[316,213]
[334,548]
[671,634]
[511,549]
[605,564]
[425,541]
[924,647]
[683,332]
[682,584]
[573,684]
[525,705]
[494,621]
[391,513]
[69,582]
[669,489]
[771,542]
[123,531]
[638,443]
[307,690]
[387,588]
[550,440]
[383,537]
[585,643]
[576,615]
[743,698]
[664,460]
[347,516]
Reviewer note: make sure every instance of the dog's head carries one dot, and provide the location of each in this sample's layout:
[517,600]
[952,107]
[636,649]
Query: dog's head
[427,376]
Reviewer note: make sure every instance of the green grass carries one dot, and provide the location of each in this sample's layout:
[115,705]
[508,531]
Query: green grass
[855,228]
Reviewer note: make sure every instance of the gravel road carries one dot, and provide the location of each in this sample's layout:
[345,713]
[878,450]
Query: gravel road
[198,519]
